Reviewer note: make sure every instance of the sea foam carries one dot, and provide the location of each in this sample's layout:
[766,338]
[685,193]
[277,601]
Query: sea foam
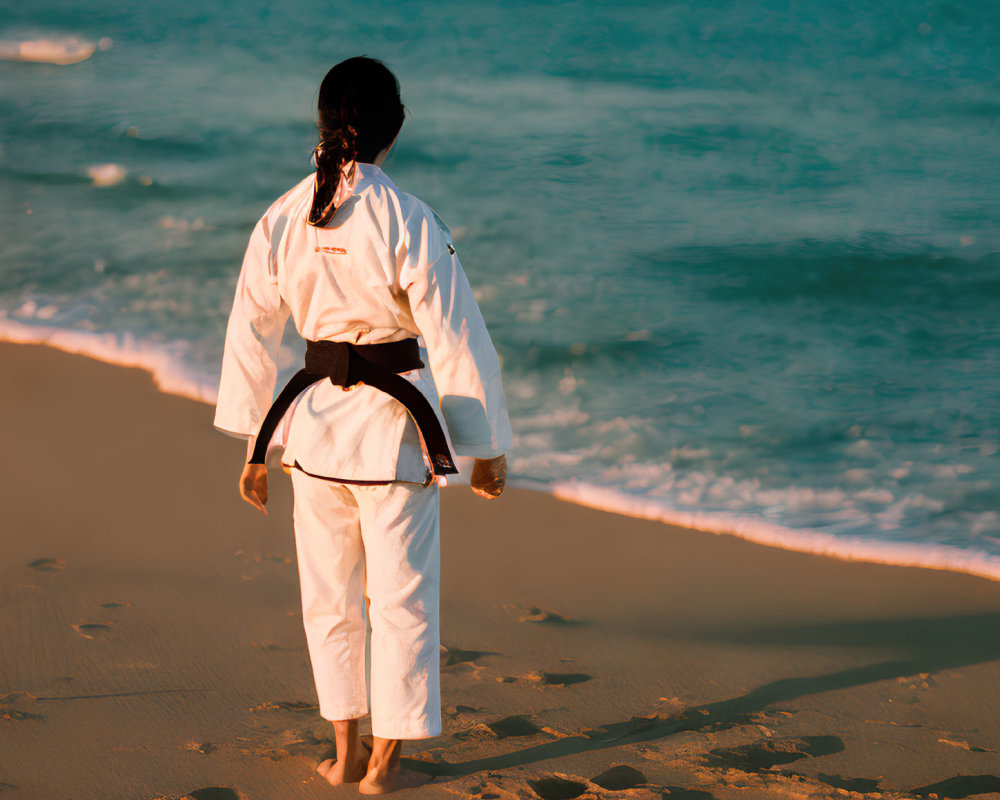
[170,374]
[903,554]
[59,50]
[107,174]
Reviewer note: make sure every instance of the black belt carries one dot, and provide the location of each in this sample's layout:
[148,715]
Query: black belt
[378,365]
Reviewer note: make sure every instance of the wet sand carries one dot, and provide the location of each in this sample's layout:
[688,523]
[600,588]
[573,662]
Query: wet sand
[151,642]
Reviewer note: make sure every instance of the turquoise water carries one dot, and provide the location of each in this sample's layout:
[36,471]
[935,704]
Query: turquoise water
[739,259]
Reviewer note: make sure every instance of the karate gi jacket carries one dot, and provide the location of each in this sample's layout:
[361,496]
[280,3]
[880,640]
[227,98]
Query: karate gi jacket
[384,269]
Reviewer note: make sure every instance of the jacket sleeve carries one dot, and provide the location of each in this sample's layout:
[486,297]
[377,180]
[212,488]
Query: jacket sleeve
[253,336]
[462,357]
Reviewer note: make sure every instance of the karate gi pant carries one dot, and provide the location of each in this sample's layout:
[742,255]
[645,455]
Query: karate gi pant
[381,541]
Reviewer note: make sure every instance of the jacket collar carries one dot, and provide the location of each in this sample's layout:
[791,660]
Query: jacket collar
[373,174]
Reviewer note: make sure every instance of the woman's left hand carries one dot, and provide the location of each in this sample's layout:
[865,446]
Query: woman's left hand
[253,486]
[489,475]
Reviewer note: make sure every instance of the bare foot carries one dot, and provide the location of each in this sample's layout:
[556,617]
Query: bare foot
[337,772]
[395,779]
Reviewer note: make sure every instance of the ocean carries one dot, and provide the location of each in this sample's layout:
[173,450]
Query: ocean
[741,260]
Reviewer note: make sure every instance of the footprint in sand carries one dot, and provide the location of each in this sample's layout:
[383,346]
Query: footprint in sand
[17,715]
[295,706]
[764,755]
[460,711]
[538,678]
[961,786]
[47,564]
[556,787]
[214,793]
[506,728]
[303,743]
[863,785]
[621,778]
[450,656]
[516,725]
[560,678]
[208,793]
[618,778]
[298,706]
[277,745]
[922,680]
[545,616]
[93,630]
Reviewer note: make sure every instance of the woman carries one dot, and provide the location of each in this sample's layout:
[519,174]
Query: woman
[364,269]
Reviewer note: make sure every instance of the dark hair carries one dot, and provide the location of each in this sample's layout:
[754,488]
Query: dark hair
[360,114]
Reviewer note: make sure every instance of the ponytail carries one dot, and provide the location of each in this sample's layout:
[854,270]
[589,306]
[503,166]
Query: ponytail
[360,114]
[335,152]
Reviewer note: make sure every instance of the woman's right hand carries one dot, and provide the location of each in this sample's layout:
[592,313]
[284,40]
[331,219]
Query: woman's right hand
[489,475]
[253,486]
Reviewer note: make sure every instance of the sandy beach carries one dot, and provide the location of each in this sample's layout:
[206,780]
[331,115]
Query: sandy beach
[151,642]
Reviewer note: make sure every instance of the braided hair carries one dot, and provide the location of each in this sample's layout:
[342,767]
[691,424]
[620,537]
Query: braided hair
[360,114]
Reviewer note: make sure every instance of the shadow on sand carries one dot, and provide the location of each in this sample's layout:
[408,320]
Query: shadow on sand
[924,645]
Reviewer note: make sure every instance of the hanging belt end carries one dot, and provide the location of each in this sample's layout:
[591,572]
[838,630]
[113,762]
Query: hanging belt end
[443,465]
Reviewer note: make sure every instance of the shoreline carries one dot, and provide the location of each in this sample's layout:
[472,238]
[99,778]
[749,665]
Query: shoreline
[170,377]
[151,642]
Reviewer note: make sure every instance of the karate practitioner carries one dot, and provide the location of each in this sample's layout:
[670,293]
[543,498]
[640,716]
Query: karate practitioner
[370,426]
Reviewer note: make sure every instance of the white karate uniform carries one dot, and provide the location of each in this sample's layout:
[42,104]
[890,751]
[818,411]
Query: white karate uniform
[383,270]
